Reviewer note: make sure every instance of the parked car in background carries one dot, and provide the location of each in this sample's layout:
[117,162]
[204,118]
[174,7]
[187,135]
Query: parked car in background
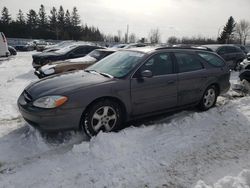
[73,64]
[41,45]
[126,85]
[243,48]
[248,48]
[12,50]
[119,46]
[55,47]
[131,45]
[24,46]
[68,52]
[135,45]
[4,52]
[232,54]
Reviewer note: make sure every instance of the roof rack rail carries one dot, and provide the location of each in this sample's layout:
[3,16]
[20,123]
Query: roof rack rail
[203,48]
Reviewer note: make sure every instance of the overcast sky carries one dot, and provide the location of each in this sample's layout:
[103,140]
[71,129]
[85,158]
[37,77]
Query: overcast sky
[172,17]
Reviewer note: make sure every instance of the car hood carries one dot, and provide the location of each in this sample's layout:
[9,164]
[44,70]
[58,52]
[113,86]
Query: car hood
[46,54]
[86,59]
[64,83]
[83,60]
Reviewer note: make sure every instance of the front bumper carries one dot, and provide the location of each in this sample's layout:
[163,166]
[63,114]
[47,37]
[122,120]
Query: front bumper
[49,119]
[39,74]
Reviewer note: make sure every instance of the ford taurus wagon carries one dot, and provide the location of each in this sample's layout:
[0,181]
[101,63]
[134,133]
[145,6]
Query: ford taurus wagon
[126,85]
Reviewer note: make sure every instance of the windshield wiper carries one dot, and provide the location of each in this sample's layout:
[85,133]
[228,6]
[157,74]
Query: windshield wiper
[106,75]
[100,73]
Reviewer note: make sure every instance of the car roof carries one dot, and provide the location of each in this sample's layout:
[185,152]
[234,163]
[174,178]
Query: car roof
[150,49]
[214,47]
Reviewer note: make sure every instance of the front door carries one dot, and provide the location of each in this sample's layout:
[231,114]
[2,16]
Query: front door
[157,92]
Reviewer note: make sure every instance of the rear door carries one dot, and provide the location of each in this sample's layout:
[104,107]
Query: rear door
[191,77]
[157,92]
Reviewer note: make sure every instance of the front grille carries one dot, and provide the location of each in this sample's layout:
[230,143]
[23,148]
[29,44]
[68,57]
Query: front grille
[27,96]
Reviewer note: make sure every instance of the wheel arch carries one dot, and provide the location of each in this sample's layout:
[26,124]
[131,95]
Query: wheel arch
[111,98]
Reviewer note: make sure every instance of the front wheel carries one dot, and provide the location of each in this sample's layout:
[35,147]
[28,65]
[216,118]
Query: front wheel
[103,116]
[209,98]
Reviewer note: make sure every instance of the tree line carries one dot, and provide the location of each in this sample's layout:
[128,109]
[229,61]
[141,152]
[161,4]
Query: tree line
[58,24]
[232,33]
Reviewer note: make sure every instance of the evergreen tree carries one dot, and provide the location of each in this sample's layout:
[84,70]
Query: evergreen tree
[61,21]
[20,17]
[75,19]
[68,25]
[32,22]
[42,17]
[227,34]
[53,22]
[5,18]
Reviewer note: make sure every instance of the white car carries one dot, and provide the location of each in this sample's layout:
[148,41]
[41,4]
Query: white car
[4,52]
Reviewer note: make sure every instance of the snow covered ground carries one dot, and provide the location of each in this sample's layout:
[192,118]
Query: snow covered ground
[186,149]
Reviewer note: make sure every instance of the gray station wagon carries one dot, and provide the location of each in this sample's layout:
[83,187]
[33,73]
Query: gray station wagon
[126,85]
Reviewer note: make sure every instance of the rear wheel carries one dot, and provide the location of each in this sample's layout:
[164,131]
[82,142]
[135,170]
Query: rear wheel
[209,98]
[103,116]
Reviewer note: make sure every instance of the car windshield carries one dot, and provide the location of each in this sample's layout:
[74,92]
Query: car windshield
[65,49]
[118,64]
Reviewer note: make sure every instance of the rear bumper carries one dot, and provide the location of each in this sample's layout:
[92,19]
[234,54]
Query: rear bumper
[50,119]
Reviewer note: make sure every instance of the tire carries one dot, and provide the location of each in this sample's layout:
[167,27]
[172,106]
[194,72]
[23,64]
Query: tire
[104,115]
[209,98]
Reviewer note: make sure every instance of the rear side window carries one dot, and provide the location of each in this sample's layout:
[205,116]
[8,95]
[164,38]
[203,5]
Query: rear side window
[211,59]
[188,62]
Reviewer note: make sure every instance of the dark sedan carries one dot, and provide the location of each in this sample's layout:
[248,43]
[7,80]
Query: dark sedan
[125,85]
[232,54]
[68,52]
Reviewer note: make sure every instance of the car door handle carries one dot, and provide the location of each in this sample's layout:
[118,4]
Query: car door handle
[170,82]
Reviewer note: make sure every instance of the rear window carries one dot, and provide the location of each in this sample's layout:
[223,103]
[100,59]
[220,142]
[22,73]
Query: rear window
[211,59]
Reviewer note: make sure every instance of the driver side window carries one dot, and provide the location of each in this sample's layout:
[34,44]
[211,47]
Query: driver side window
[159,64]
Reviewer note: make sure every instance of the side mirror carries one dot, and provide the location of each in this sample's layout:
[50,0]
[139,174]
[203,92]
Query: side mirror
[146,74]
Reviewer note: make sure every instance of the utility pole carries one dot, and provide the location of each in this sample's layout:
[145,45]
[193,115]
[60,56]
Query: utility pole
[127,33]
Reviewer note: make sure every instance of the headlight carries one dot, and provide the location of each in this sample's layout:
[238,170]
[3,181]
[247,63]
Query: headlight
[48,69]
[50,101]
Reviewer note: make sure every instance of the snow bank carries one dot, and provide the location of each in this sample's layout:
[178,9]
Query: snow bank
[240,181]
[172,151]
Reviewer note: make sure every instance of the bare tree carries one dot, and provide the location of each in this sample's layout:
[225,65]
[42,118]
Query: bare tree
[243,31]
[119,34]
[154,36]
[132,38]
[172,40]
